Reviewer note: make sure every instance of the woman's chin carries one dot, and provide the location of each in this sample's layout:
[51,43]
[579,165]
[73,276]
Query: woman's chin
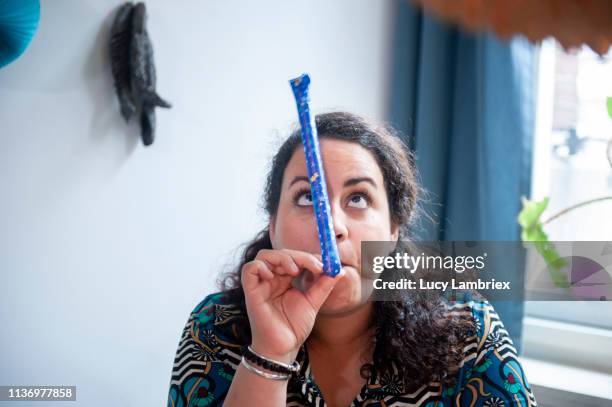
[343,298]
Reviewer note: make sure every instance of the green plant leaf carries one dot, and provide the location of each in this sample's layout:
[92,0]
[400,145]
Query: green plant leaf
[533,231]
[529,219]
[610,107]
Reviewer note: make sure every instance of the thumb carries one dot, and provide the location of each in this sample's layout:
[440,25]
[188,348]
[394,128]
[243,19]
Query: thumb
[320,290]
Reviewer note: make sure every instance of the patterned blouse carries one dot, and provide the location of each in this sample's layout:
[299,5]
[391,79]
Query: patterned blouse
[208,356]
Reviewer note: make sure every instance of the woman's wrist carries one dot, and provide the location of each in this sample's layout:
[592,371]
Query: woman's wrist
[287,358]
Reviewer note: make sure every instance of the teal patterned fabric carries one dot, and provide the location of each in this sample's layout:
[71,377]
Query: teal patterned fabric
[209,354]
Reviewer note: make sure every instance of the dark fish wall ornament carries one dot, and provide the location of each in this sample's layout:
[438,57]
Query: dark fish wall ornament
[18,22]
[121,36]
[133,69]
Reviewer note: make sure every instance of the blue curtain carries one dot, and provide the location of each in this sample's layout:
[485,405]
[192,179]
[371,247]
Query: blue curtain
[466,104]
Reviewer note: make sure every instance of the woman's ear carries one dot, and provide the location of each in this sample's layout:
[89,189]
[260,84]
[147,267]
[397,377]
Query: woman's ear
[394,232]
[271,229]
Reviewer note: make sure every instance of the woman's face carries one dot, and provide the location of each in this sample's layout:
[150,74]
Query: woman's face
[359,209]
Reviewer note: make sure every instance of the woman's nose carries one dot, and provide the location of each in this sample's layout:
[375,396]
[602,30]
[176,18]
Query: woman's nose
[339,222]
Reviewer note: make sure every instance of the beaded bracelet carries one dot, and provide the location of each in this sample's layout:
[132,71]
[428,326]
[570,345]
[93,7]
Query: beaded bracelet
[269,364]
[273,376]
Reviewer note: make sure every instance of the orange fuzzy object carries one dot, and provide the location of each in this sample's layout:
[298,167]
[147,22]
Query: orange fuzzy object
[571,22]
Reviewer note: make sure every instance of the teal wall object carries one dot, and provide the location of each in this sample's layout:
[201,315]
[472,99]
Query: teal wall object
[18,23]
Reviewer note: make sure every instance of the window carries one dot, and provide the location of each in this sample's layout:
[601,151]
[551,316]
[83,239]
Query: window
[573,164]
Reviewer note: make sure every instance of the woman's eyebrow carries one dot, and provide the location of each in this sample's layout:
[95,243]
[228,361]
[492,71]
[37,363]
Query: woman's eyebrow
[349,182]
[297,179]
[353,181]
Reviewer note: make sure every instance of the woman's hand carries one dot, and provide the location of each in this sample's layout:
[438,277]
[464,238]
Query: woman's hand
[280,315]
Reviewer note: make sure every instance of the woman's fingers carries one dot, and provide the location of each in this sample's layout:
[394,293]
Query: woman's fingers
[288,261]
[272,271]
[253,272]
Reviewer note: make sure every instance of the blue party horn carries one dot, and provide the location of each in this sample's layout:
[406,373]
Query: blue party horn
[316,176]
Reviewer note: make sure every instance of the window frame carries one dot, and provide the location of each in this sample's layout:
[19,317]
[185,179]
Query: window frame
[545,337]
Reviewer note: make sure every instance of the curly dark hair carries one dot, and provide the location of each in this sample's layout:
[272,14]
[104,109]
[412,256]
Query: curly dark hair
[418,334]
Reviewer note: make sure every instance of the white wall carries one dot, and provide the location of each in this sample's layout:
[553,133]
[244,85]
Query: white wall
[106,246]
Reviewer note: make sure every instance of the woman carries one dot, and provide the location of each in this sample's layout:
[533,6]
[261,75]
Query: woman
[349,351]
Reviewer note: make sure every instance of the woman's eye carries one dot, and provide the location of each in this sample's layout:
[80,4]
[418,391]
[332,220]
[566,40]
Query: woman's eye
[305,199]
[358,201]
